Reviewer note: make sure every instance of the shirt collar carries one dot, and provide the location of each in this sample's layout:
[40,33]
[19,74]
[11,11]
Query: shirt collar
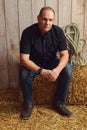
[45,33]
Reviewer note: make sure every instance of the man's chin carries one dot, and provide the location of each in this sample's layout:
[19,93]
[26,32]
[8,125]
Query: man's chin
[46,30]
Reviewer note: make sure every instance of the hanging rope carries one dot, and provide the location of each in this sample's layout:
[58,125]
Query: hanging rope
[75,44]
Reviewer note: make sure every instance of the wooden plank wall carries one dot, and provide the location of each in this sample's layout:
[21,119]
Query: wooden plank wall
[15,15]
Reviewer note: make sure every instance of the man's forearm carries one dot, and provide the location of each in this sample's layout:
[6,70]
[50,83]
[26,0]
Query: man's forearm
[29,65]
[62,62]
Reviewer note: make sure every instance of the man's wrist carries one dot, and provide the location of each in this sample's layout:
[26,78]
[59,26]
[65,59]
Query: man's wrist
[39,70]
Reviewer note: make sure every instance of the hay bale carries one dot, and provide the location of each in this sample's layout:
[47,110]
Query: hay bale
[78,87]
[43,91]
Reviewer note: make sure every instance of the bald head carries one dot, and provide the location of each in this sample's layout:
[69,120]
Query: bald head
[46,8]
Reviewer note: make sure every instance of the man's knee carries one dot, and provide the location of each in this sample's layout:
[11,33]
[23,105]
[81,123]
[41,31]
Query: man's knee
[69,68]
[67,71]
[23,73]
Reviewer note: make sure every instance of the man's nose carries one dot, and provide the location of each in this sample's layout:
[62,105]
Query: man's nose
[47,22]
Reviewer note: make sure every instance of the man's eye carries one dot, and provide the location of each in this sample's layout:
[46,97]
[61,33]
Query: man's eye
[50,20]
[45,19]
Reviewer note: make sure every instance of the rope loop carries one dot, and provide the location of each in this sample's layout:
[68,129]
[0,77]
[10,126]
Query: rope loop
[75,44]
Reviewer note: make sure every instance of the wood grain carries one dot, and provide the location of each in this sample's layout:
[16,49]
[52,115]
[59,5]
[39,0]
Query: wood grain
[18,14]
[4,79]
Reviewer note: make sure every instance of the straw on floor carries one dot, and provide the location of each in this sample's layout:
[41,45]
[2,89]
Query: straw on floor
[42,118]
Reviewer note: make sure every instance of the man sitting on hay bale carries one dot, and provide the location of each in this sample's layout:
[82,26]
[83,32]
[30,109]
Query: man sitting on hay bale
[38,55]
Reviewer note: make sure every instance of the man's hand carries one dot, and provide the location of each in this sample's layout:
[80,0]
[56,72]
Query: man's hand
[53,75]
[50,75]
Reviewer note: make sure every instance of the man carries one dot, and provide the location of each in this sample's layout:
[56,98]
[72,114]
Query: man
[38,55]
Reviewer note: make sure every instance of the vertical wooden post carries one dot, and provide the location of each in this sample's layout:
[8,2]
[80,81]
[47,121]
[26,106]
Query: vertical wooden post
[11,9]
[4,79]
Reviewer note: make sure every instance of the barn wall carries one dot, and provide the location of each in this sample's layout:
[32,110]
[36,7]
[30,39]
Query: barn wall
[15,15]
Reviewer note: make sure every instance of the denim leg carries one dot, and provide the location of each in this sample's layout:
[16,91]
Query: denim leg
[63,83]
[26,77]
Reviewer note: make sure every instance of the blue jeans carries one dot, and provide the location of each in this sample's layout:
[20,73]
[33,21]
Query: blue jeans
[26,78]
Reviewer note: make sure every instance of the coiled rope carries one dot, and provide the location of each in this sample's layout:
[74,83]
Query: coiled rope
[75,44]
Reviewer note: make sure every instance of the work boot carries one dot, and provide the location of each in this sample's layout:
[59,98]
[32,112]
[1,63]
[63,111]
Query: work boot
[26,113]
[61,109]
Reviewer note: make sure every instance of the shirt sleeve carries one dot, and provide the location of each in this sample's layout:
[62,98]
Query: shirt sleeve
[62,41]
[25,43]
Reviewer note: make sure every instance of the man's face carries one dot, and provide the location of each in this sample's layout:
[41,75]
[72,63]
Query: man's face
[46,20]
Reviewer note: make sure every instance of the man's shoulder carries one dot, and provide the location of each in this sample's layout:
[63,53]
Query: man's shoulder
[57,28]
[31,28]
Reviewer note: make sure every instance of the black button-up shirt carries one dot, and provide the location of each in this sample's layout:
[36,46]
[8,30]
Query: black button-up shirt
[42,48]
